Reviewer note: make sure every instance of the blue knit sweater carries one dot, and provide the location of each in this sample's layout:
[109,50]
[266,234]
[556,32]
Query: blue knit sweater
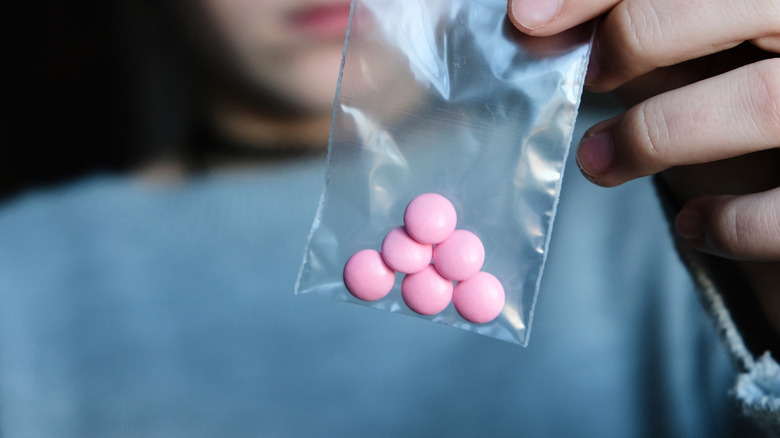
[136,309]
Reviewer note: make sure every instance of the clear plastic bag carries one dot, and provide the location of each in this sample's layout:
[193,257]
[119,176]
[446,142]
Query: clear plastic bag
[446,97]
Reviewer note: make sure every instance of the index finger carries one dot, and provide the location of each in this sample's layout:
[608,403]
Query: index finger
[707,121]
[638,36]
[549,17]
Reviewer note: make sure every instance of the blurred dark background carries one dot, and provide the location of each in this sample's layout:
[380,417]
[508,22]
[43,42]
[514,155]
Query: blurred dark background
[74,83]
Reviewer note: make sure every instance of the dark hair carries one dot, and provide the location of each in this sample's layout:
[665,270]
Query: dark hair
[92,86]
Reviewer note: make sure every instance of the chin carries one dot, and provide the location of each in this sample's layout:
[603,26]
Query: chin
[315,101]
[311,82]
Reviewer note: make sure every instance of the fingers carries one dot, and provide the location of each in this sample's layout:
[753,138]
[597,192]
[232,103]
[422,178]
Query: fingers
[549,17]
[722,117]
[701,120]
[637,36]
[738,227]
[770,44]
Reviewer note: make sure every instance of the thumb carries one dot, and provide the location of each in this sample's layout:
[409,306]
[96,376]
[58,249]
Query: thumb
[549,17]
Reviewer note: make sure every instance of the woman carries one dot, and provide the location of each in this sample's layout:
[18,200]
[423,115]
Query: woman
[160,303]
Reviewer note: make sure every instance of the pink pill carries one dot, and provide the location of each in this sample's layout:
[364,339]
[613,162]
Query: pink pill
[367,277]
[426,292]
[430,218]
[404,254]
[460,256]
[479,299]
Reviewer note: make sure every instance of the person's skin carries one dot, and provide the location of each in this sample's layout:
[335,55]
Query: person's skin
[702,80]
[279,63]
[284,56]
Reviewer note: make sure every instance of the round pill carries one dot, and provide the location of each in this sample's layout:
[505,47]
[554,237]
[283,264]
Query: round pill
[426,292]
[430,218]
[404,254]
[460,256]
[479,299]
[367,277]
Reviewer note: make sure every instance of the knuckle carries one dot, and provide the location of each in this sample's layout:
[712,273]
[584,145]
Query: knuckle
[649,133]
[768,11]
[769,217]
[729,230]
[766,97]
[766,16]
[639,27]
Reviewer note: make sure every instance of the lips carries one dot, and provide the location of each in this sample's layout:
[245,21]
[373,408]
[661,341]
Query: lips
[324,21]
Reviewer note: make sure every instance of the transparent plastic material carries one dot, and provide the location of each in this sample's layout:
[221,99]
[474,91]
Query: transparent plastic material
[445,96]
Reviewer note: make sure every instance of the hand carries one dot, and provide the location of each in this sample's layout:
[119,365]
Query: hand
[703,77]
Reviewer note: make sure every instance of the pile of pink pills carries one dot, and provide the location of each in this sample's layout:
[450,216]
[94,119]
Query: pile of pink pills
[433,254]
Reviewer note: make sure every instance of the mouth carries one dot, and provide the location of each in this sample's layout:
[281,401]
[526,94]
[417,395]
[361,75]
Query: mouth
[322,20]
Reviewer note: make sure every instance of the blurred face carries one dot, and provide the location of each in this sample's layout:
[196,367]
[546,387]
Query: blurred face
[289,49]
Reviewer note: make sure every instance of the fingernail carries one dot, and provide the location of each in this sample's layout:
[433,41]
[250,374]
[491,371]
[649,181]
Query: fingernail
[595,154]
[689,224]
[533,14]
